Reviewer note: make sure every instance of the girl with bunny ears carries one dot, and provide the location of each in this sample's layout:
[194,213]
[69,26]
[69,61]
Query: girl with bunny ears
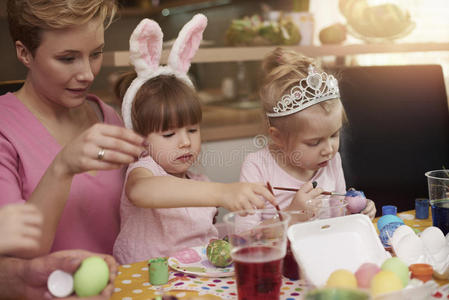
[164,206]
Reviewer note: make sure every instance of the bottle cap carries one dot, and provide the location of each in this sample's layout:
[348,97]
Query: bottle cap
[389,210]
[60,284]
[158,270]
[422,272]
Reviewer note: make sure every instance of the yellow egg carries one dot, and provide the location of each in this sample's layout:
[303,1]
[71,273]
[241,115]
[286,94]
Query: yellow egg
[385,282]
[397,266]
[342,278]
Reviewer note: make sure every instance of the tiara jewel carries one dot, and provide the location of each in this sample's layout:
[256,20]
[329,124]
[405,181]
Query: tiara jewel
[315,88]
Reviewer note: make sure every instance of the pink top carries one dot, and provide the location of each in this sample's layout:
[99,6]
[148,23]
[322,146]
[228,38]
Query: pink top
[260,166]
[90,219]
[153,232]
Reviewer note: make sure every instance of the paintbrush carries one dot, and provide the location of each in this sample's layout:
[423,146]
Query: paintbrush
[295,190]
[276,206]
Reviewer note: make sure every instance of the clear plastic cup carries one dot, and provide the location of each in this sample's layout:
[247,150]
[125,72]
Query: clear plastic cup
[329,207]
[258,251]
[438,183]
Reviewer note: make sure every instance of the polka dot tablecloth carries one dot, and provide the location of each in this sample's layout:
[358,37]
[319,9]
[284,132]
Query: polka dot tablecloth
[132,283]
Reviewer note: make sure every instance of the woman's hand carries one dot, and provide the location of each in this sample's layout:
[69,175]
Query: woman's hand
[37,270]
[20,228]
[370,209]
[101,147]
[304,197]
[245,196]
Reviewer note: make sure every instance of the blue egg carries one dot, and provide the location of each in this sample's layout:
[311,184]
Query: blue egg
[384,220]
[387,232]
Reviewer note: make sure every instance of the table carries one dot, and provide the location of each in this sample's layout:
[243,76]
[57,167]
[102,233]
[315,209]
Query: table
[132,282]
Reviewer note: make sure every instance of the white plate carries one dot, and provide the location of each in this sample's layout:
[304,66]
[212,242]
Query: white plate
[194,261]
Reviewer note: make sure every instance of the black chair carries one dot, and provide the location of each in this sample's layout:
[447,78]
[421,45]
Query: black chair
[398,129]
[10,86]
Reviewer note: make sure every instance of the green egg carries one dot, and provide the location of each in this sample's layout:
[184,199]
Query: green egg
[397,266]
[91,277]
[219,253]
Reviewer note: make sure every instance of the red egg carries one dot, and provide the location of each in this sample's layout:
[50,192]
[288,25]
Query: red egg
[365,273]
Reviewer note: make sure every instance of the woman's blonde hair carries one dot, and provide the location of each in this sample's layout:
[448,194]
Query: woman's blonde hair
[28,18]
[282,70]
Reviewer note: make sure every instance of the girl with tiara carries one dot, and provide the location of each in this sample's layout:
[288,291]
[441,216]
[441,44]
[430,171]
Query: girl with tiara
[305,117]
[165,207]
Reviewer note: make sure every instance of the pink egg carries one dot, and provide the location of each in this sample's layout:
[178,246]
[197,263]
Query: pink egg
[365,273]
[356,203]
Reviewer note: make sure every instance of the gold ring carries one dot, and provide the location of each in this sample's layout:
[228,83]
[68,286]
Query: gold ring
[100,154]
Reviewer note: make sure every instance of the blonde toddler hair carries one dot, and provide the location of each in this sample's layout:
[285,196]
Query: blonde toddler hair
[282,70]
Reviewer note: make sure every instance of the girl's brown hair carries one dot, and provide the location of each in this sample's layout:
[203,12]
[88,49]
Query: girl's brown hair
[282,70]
[28,18]
[162,103]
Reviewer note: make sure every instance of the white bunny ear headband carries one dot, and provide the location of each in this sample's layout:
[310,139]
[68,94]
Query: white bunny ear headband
[145,47]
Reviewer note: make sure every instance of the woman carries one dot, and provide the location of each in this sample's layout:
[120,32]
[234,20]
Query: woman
[61,148]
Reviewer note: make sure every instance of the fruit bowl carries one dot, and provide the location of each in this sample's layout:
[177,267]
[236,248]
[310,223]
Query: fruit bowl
[380,40]
[376,23]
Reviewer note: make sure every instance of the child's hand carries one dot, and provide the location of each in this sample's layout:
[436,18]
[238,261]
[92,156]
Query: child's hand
[370,209]
[245,196]
[304,196]
[20,228]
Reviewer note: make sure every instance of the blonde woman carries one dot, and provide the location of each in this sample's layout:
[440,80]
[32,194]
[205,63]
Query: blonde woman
[61,148]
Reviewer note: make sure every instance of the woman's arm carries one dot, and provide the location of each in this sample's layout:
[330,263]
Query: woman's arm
[122,146]
[144,189]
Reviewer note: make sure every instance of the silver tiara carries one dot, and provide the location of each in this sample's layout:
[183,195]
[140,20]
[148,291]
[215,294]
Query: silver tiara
[315,88]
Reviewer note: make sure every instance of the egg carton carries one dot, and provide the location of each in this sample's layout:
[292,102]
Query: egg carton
[323,246]
[431,247]
[415,290]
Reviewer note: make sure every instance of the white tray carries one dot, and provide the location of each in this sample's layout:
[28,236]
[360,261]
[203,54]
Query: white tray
[323,246]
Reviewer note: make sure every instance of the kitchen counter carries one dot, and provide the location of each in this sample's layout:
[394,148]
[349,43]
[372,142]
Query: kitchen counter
[222,123]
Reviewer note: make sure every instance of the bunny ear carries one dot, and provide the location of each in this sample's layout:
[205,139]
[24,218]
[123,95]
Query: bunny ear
[187,43]
[145,47]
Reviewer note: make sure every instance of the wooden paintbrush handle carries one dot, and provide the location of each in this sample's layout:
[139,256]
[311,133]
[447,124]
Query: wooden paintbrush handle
[295,190]
[276,206]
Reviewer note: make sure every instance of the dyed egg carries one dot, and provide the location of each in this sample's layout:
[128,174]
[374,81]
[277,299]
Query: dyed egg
[385,282]
[356,201]
[398,267]
[91,277]
[219,253]
[387,233]
[365,274]
[384,220]
[342,279]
